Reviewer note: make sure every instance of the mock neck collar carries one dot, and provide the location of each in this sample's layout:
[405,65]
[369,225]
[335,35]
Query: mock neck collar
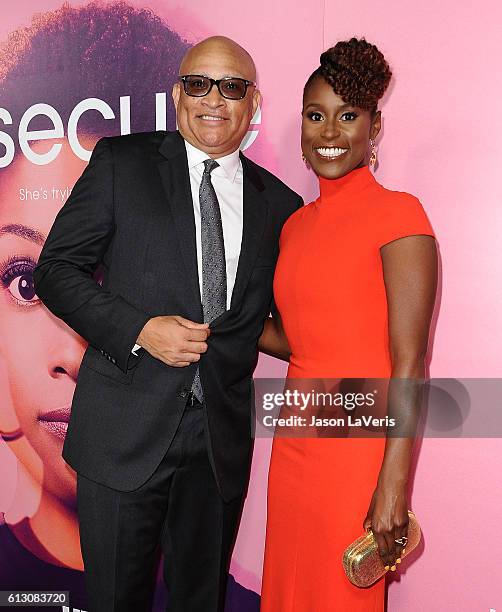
[350,183]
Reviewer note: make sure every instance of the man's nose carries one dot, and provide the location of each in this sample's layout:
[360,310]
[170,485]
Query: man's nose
[214,99]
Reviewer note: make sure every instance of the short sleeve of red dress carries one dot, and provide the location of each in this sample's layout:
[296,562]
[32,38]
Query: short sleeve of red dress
[401,215]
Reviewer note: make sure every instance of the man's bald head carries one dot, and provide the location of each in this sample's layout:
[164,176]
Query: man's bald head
[212,123]
[224,47]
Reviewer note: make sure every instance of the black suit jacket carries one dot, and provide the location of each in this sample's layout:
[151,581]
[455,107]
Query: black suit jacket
[131,212]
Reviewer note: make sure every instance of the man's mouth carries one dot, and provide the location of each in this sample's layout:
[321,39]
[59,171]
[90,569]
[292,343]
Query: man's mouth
[211,118]
[330,152]
[56,421]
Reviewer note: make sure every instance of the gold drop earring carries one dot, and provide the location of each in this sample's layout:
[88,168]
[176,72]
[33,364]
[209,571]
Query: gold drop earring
[305,162]
[373,156]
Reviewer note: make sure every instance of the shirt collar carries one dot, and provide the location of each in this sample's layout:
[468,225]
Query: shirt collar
[229,164]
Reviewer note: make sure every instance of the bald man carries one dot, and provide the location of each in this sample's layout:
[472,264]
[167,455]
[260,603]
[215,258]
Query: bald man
[186,230]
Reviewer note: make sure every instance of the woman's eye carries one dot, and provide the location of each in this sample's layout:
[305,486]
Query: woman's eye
[348,116]
[315,116]
[17,279]
[23,288]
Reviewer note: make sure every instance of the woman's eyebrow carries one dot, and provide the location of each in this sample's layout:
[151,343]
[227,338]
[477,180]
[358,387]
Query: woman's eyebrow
[320,105]
[23,231]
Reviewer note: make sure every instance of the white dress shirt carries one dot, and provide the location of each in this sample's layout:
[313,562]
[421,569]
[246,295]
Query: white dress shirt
[227,181]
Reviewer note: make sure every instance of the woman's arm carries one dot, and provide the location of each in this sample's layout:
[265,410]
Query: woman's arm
[273,340]
[410,274]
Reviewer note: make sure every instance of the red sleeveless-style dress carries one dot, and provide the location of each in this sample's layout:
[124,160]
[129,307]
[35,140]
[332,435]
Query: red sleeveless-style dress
[330,292]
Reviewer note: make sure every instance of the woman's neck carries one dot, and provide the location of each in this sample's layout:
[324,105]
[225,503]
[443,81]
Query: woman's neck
[350,183]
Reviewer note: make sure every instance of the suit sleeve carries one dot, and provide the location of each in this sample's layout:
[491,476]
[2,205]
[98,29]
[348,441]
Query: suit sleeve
[80,235]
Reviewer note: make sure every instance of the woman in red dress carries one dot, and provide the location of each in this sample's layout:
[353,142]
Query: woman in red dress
[355,286]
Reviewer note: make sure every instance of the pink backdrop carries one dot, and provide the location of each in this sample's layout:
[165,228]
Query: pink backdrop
[442,142]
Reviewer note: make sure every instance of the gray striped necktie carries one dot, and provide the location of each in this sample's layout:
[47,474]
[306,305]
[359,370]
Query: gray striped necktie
[214,274]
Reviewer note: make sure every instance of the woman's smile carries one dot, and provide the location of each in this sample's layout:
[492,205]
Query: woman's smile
[330,153]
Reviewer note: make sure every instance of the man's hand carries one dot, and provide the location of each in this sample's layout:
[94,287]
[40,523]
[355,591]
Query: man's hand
[174,340]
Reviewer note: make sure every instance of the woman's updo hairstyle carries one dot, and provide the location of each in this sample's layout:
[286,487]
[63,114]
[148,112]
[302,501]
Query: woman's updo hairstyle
[356,70]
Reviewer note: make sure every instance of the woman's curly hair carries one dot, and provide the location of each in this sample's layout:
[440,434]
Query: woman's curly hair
[101,49]
[356,70]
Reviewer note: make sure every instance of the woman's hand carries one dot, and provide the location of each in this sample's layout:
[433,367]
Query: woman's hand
[388,518]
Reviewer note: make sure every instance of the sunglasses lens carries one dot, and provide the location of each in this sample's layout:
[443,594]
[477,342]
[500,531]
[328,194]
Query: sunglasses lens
[196,85]
[235,89]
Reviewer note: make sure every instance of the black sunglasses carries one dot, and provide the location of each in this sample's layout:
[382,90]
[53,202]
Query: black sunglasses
[232,88]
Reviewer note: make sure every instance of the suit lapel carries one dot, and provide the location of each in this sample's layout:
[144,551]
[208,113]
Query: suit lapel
[254,221]
[176,182]
[255,210]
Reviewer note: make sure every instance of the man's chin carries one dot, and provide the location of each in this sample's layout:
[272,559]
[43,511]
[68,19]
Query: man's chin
[213,143]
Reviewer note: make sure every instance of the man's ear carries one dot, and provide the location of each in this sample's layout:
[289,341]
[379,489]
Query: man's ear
[176,92]
[256,100]
[376,125]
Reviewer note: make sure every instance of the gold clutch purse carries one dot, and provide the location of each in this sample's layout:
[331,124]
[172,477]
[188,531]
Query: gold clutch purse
[361,560]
